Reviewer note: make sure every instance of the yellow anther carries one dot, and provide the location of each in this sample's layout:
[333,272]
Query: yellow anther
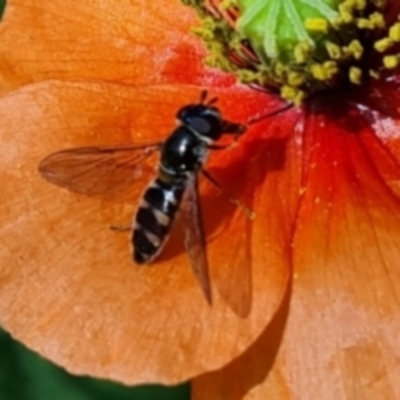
[302,52]
[317,24]
[355,49]
[325,71]
[377,19]
[288,92]
[294,95]
[352,5]
[345,11]
[346,17]
[355,75]
[333,50]
[331,68]
[394,32]
[346,5]
[317,70]
[280,69]
[246,76]
[383,44]
[296,79]
[364,23]
[391,62]
[300,97]
[236,43]
[360,5]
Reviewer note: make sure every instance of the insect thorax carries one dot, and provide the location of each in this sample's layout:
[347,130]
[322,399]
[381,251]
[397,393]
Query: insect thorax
[183,152]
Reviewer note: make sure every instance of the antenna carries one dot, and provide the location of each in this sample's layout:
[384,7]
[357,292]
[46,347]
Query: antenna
[270,114]
[253,120]
[212,101]
[203,98]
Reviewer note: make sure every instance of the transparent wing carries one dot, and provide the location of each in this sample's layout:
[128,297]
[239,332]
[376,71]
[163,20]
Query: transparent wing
[230,245]
[98,170]
[194,238]
[233,277]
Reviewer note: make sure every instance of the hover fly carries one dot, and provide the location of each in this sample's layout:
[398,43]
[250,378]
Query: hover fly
[174,189]
[107,169]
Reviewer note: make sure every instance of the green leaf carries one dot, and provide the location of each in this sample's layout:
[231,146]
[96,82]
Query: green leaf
[26,376]
[2,7]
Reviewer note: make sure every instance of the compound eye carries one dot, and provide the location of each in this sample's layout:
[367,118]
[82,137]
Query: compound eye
[187,112]
[200,125]
[181,114]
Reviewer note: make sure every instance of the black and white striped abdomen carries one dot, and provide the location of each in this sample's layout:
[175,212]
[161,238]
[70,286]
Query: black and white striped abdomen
[154,219]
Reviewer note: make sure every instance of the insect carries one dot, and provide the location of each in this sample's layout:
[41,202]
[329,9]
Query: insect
[108,169]
[174,189]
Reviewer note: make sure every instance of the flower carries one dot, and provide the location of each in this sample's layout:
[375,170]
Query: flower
[322,180]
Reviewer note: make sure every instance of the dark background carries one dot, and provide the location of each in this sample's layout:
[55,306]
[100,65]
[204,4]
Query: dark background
[26,376]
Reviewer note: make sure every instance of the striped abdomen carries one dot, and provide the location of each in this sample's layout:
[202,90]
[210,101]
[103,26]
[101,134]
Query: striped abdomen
[154,219]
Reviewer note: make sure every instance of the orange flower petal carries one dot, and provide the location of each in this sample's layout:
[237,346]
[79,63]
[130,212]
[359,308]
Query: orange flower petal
[337,336]
[68,286]
[126,41]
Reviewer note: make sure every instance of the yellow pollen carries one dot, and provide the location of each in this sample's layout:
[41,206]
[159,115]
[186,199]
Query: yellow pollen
[352,5]
[377,20]
[325,71]
[345,11]
[364,23]
[302,52]
[296,96]
[333,50]
[331,68]
[360,4]
[316,24]
[355,75]
[296,79]
[280,69]
[394,32]
[383,44]
[246,76]
[391,62]
[355,49]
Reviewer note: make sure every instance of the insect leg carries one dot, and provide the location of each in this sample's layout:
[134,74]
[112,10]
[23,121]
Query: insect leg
[236,136]
[220,146]
[208,176]
[249,213]
[121,228]
[232,128]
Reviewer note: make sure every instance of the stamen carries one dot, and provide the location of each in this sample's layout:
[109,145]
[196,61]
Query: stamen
[299,47]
